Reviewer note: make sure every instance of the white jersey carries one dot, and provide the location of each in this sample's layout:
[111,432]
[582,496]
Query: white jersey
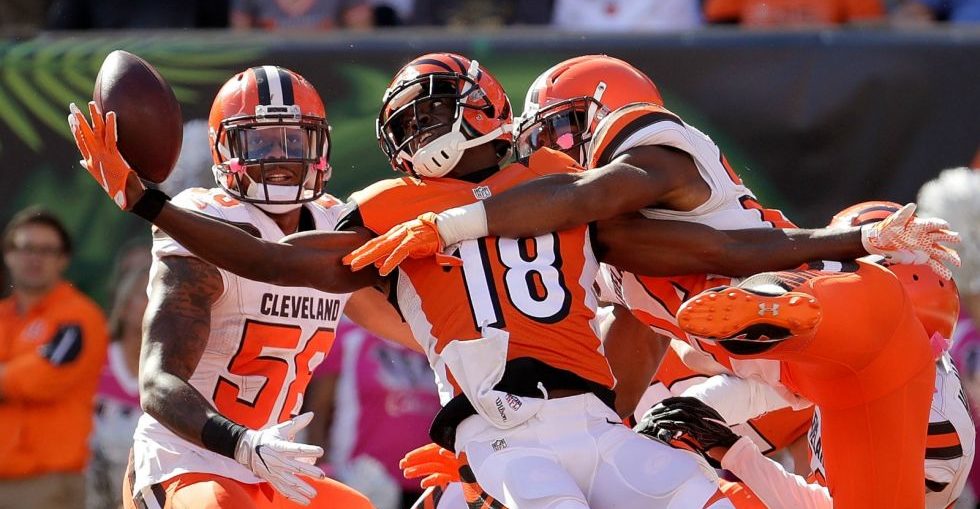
[949,444]
[264,344]
[730,206]
[655,300]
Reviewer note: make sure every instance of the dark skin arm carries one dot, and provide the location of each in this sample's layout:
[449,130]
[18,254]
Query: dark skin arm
[634,352]
[664,248]
[175,331]
[309,259]
[641,177]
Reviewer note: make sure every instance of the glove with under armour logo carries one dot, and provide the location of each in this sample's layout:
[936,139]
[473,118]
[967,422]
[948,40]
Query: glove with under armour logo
[906,239]
[271,454]
[690,422]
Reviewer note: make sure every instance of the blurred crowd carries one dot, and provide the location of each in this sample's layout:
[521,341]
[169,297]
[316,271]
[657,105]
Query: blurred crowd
[571,15]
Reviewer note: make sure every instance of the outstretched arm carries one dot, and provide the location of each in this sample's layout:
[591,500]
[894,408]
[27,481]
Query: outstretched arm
[662,248]
[310,260]
[642,177]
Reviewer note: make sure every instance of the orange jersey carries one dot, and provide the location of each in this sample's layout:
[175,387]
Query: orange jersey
[51,357]
[538,290]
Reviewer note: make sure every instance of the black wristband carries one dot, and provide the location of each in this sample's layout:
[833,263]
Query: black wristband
[150,204]
[220,435]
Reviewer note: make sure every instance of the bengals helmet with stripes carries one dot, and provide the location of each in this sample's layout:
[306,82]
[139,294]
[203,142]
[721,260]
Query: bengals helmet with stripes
[263,117]
[438,106]
[936,301]
[565,103]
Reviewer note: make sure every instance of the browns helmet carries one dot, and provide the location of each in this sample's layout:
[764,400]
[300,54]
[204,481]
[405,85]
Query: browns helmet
[438,106]
[565,103]
[936,301]
[268,116]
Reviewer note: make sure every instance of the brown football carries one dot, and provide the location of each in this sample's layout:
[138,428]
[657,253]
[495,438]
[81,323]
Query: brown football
[149,122]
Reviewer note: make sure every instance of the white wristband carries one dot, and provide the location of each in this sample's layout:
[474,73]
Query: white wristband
[462,223]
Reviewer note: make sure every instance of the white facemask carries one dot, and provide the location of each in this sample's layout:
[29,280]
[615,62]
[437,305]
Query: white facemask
[276,193]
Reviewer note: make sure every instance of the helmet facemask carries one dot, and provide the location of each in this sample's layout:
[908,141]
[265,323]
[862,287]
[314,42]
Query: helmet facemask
[566,125]
[563,126]
[422,127]
[276,136]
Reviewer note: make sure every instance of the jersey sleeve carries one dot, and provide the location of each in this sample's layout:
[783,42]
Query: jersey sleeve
[770,481]
[74,352]
[737,399]
[636,125]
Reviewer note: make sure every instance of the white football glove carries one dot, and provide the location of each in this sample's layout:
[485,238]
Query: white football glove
[905,239]
[272,455]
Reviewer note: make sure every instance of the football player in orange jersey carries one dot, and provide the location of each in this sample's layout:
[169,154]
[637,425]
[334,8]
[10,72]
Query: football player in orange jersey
[950,437]
[509,333]
[226,355]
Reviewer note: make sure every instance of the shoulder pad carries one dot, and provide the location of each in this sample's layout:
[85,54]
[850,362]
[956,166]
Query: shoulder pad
[620,125]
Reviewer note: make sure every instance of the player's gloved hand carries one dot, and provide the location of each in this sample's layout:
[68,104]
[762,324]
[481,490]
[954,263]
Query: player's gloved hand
[435,465]
[418,238]
[271,454]
[905,239]
[690,422]
[98,144]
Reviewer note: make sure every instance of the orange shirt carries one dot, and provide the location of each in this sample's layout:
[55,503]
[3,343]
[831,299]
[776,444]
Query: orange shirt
[537,289]
[51,357]
[791,12]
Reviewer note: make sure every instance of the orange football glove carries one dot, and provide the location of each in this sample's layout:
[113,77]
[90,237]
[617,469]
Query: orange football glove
[98,146]
[418,238]
[905,239]
[436,466]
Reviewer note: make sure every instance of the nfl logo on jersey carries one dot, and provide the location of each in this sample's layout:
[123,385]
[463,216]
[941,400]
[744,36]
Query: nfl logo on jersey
[481,193]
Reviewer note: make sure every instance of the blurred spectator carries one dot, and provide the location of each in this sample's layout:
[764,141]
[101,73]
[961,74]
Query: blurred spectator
[123,14]
[953,196]
[953,11]
[52,345]
[482,13]
[133,255]
[26,15]
[302,14]
[792,13]
[373,401]
[117,404]
[392,12]
[626,15]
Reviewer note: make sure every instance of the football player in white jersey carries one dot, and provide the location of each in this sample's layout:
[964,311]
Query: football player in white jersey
[224,352]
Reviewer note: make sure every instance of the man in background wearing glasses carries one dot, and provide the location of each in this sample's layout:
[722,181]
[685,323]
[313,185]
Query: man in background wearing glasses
[52,347]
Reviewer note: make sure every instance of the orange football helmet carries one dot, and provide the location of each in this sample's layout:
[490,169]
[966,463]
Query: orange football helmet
[438,106]
[565,103]
[937,302]
[267,116]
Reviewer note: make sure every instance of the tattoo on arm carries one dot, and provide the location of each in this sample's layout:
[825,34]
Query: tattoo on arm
[175,333]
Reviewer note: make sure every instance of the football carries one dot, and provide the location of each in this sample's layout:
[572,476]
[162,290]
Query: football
[148,116]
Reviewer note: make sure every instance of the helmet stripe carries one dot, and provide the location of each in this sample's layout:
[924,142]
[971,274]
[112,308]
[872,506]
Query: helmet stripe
[262,83]
[275,85]
[286,81]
